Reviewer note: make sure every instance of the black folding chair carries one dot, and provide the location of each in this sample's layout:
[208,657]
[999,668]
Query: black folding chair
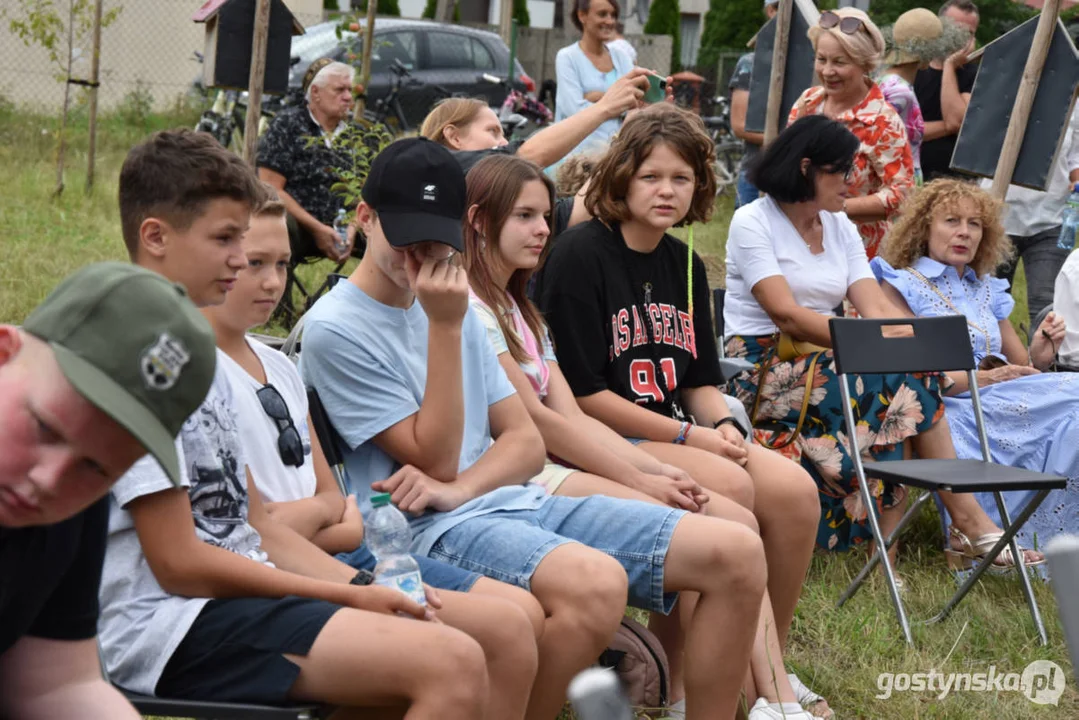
[728,367]
[939,344]
[328,439]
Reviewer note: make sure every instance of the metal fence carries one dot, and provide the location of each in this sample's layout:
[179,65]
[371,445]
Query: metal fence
[146,53]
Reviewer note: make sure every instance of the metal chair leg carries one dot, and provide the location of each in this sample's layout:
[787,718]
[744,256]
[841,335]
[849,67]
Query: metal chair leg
[1021,561]
[980,568]
[875,558]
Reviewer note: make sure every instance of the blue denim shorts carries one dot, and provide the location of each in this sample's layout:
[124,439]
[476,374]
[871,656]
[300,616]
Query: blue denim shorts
[508,545]
[436,574]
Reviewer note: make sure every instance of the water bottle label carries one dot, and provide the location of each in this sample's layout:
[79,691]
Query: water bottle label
[409,583]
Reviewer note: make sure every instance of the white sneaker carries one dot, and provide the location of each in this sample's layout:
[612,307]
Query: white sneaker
[677,711]
[763,710]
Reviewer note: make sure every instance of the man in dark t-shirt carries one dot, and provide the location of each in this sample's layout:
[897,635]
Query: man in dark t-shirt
[943,90]
[104,371]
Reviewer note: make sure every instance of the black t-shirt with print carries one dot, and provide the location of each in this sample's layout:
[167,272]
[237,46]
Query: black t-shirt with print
[49,577]
[593,292]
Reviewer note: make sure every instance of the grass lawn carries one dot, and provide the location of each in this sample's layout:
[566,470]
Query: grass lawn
[837,652]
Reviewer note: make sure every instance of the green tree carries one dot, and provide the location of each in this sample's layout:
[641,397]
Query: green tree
[996,17]
[520,13]
[385,7]
[727,24]
[664,18]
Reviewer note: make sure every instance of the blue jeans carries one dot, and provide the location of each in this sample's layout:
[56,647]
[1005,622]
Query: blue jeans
[746,191]
[508,545]
[1042,260]
[436,574]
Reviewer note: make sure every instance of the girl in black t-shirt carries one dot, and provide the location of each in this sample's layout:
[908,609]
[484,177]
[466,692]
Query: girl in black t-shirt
[627,305]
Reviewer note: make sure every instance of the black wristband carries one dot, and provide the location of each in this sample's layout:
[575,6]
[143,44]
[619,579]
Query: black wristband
[363,577]
[731,420]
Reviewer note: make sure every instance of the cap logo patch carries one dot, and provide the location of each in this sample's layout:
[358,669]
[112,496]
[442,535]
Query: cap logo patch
[430,193]
[162,362]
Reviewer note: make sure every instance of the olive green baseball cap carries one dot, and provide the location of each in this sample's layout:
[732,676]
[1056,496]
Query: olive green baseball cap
[132,343]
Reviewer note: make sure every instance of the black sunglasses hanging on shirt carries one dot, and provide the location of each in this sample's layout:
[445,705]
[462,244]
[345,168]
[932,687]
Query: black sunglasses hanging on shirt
[289,443]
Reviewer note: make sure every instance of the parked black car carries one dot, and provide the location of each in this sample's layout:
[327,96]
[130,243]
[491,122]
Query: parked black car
[450,56]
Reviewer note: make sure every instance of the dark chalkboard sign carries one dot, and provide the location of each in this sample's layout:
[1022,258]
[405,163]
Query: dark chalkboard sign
[230,27]
[986,122]
[799,72]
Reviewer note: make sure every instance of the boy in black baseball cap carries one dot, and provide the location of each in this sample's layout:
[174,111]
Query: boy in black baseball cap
[106,369]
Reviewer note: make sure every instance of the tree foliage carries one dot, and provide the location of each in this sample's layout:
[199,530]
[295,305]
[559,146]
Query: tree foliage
[664,18]
[730,24]
[45,23]
[520,13]
[389,8]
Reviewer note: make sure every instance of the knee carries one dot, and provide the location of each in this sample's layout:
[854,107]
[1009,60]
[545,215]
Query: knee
[512,641]
[592,594]
[734,557]
[804,496]
[461,684]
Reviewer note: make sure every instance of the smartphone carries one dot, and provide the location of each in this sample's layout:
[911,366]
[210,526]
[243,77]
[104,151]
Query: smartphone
[657,89]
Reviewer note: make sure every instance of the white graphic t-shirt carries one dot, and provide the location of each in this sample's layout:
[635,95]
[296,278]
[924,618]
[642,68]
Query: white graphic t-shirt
[141,624]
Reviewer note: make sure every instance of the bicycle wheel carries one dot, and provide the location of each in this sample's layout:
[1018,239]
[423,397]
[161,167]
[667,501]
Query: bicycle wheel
[728,161]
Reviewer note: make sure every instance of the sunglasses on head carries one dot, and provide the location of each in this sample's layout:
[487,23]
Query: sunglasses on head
[847,25]
[289,444]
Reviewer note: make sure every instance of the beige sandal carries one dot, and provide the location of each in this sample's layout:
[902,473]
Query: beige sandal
[968,553]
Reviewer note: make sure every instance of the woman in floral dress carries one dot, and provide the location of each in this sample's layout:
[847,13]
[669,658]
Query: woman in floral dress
[792,256]
[848,47]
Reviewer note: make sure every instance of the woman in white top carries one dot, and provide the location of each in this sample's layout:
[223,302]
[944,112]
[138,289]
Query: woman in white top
[793,256]
[587,68]
[299,491]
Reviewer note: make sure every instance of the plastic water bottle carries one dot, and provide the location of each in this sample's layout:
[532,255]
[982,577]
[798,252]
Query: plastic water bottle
[340,226]
[389,537]
[1070,223]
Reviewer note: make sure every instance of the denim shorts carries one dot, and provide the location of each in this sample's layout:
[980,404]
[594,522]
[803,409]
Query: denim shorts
[508,545]
[436,574]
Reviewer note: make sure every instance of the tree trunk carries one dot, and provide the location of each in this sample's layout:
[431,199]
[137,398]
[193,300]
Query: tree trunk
[95,69]
[67,100]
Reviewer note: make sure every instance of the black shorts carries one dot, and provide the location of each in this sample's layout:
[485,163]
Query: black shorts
[234,652]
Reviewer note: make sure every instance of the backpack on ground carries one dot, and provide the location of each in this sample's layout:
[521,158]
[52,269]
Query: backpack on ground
[640,663]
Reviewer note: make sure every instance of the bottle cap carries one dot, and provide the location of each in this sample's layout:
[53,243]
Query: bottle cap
[380,499]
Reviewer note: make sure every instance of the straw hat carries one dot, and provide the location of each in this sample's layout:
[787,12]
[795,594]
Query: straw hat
[914,37]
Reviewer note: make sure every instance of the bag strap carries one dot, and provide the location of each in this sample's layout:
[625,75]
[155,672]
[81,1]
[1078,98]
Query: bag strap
[810,374]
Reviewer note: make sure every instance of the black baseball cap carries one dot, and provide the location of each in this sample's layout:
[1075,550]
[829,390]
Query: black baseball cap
[418,189]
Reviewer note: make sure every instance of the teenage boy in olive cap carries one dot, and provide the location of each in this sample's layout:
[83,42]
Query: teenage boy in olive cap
[415,390]
[106,369]
[195,602]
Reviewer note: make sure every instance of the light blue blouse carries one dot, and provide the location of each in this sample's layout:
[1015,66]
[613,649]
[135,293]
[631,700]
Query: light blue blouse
[984,300]
[576,76]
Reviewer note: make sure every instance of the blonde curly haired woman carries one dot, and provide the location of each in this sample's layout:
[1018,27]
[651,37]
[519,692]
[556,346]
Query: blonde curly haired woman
[938,260]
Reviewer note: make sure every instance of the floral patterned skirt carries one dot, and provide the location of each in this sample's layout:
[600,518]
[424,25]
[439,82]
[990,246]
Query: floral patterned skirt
[888,410]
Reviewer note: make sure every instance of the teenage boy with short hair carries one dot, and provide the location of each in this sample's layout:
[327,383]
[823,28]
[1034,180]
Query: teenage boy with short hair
[195,602]
[414,388]
[105,370]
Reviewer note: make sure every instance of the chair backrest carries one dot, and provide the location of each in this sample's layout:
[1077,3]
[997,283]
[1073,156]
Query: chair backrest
[939,344]
[327,436]
[719,297]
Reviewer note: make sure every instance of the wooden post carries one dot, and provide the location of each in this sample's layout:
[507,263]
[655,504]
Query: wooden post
[779,70]
[95,71]
[255,80]
[62,149]
[365,59]
[1024,99]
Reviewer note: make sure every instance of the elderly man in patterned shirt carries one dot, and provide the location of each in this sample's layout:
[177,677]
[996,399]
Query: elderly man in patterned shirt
[302,169]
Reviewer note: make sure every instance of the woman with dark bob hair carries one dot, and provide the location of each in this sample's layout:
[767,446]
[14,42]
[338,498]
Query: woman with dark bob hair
[793,256]
[627,305]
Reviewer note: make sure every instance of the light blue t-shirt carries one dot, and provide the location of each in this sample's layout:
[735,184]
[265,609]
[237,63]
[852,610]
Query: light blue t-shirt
[368,362]
[576,76]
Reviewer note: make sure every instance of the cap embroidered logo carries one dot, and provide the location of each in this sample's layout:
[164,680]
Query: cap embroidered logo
[430,193]
[163,361]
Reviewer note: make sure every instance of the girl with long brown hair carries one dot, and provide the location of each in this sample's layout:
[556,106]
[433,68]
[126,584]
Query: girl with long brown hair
[506,231]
